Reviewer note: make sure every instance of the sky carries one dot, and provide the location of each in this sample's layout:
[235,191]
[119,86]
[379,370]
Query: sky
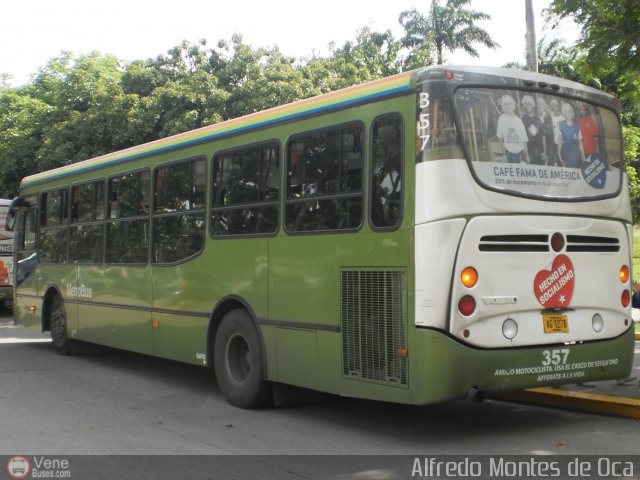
[34,31]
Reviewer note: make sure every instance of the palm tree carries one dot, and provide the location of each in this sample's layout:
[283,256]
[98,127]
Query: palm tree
[449,27]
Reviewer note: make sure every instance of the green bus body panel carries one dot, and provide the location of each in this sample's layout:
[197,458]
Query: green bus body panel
[439,376]
[117,313]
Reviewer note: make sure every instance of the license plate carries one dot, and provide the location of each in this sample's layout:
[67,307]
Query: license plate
[555,323]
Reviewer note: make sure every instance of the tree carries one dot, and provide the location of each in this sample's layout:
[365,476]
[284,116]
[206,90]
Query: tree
[609,46]
[450,27]
[609,29]
[371,56]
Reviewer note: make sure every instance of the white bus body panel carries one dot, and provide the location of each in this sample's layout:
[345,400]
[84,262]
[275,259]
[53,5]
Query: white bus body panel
[507,279]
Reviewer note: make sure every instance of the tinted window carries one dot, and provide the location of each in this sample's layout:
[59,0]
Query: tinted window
[178,218]
[324,180]
[246,188]
[542,145]
[128,224]
[386,172]
[53,227]
[86,237]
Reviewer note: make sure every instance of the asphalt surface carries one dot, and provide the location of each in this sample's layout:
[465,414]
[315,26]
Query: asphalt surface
[618,398]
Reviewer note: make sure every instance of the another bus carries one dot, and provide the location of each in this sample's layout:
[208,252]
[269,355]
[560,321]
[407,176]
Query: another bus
[439,232]
[6,256]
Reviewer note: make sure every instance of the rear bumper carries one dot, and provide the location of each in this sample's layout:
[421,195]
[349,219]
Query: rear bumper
[447,369]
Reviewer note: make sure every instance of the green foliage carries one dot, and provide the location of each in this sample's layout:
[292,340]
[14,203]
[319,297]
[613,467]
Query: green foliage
[609,29]
[631,137]
[450,27]
[81,106]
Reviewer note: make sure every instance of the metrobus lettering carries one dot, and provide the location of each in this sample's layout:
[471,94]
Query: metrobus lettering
[81,291]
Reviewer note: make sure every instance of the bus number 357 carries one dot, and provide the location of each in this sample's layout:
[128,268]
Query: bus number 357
[555,357]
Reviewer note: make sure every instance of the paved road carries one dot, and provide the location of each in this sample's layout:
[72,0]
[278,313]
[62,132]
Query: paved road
[112,402]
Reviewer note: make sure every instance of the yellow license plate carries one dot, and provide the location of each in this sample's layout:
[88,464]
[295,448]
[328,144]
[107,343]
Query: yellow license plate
[555,323]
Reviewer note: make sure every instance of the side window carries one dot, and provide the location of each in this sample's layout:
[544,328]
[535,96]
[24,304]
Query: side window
[386,172]
[324,180]
[245,191]
[86,235]
[53,226]
[178,211]
[128,218]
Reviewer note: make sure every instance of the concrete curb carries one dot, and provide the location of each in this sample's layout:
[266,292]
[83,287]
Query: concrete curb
[577,401]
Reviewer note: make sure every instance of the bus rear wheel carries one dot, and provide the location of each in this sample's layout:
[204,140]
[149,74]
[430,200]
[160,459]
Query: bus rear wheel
[239,362]
[58,326]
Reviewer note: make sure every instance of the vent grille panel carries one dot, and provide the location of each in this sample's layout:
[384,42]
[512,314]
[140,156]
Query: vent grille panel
[373,318]
[590,243]
[540,243]
[514,243]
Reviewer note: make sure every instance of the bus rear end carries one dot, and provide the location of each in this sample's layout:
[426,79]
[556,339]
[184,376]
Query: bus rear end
[523,232]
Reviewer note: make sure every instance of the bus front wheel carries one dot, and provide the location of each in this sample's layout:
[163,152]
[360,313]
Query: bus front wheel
[239,362]
[58,326]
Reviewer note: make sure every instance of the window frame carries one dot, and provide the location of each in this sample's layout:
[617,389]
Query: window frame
[42,225]
[109,220]
[94,222]
[403,170]
[361,193]
[153,215]
[278,203]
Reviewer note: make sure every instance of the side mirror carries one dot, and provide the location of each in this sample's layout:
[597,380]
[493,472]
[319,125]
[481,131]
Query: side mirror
[10,221]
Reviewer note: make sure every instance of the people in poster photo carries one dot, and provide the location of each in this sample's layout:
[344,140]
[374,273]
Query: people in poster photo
[570,148]
[511,132]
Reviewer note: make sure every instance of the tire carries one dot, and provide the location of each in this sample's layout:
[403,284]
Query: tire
[58,326]
[239,362]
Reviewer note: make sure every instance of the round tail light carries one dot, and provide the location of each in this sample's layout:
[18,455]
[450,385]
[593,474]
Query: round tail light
[467,305]
[625,299]
[624,274]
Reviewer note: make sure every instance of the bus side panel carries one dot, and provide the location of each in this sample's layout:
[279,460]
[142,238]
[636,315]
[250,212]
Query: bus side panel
[113,306]
[185,294]
[305,303]
[26,299]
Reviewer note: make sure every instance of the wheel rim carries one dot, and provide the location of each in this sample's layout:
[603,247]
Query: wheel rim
[238,362]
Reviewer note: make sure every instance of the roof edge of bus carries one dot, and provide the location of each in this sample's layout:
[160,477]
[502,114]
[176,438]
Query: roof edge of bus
[377,89]
[515,73]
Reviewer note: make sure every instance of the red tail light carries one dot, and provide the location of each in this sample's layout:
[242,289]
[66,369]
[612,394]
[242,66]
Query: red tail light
[626,298]
[467,305]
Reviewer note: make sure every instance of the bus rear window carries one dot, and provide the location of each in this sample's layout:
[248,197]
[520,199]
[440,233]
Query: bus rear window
[540,145]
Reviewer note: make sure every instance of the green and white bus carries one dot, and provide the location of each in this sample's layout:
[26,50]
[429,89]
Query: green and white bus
[6,255]
[398,240]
